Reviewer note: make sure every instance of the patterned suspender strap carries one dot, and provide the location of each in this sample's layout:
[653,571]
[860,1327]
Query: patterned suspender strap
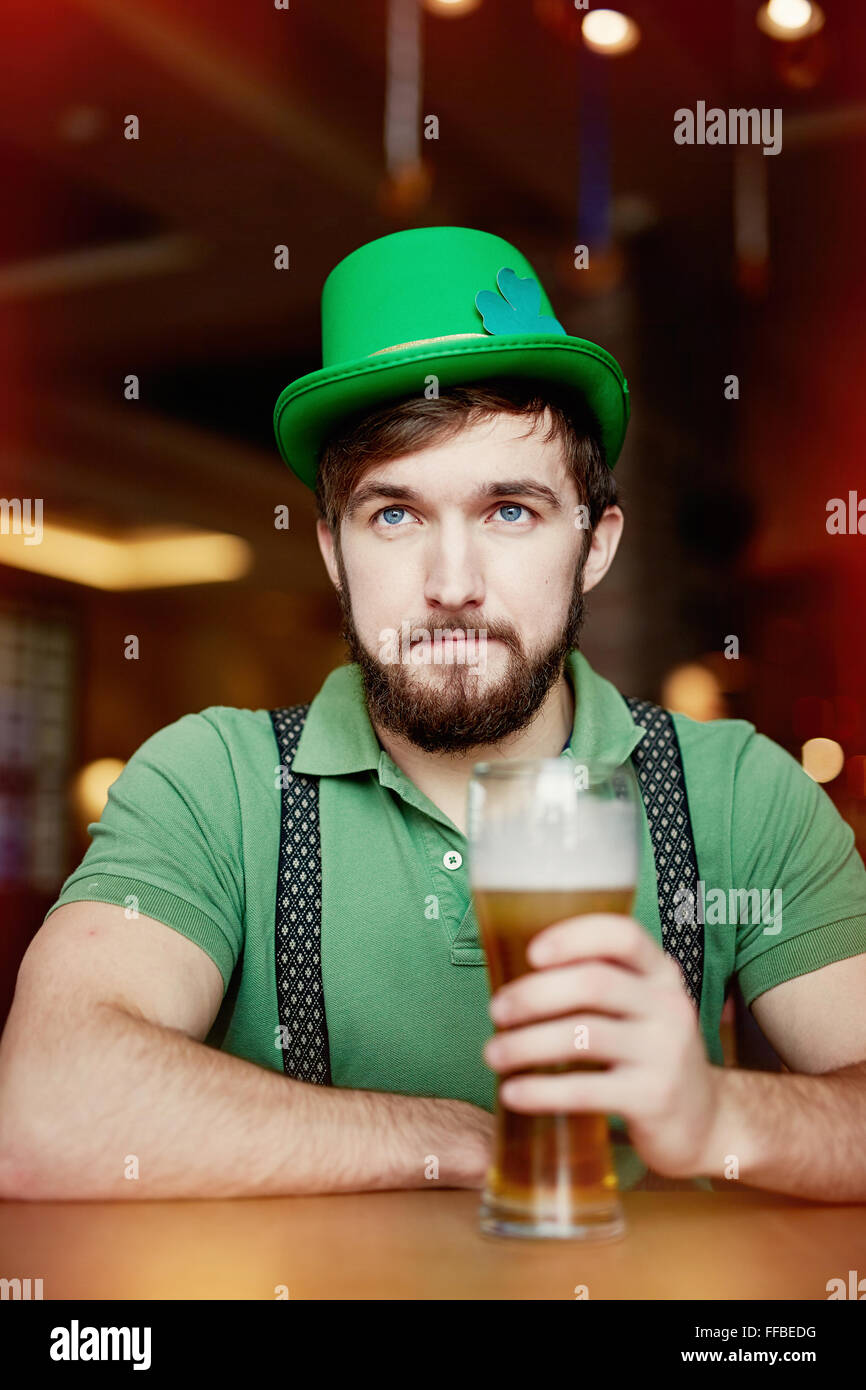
[659,766]
[298,918]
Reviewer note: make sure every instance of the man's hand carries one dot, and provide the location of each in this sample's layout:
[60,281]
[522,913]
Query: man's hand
[607,993]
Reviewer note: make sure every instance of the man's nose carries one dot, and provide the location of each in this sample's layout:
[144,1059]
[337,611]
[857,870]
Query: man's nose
[453,578]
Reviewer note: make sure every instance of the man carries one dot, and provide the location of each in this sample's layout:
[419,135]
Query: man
[461,446]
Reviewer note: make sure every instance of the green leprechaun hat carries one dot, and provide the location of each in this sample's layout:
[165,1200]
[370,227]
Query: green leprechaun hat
[450,302]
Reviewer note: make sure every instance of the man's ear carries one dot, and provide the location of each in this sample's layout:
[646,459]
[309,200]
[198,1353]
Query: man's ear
[326,546]
[605,542]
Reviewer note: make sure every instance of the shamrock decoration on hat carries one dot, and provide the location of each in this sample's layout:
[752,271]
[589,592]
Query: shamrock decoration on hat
[516,308]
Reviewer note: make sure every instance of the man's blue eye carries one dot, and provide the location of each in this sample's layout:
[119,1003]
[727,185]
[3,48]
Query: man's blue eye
[391,510]
[511,507]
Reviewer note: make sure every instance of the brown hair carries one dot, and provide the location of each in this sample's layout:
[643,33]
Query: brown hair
[393,431]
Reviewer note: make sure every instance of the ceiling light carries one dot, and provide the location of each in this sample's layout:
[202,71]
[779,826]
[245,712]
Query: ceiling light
[154,558]
[790,19]
[609,32]
[451,7]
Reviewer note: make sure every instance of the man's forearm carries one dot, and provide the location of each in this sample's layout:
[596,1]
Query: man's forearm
[127,1097]
[790,1132]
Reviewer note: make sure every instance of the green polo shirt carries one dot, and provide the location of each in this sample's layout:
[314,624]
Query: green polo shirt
[190,836]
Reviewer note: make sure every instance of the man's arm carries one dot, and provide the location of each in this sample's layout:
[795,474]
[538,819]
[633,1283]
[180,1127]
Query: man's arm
[102,1059]
[795,1132]
[803,1135]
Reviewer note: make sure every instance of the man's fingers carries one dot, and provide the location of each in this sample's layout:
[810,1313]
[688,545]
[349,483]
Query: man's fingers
[597,934]
[594,985]
[579,1038]
[610,1092]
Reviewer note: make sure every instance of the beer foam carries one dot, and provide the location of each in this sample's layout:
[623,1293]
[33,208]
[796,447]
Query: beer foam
[599,851]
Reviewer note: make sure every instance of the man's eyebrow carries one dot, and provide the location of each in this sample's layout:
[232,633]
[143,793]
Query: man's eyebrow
[509,487]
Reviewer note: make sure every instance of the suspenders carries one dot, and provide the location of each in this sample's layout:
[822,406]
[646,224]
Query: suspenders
[298,922]
[659,766]
[300,994]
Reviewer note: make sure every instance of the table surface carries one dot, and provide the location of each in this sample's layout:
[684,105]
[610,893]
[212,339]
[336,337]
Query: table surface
[426,1245]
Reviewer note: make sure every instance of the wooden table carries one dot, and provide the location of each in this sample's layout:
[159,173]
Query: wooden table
[741,1244]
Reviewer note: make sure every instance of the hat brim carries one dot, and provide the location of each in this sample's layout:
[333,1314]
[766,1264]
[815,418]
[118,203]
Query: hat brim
[311,408]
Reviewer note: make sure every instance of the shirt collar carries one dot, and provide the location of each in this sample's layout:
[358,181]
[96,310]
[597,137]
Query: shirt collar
[338,737]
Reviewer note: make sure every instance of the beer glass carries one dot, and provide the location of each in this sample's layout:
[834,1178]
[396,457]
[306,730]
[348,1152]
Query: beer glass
[549,838]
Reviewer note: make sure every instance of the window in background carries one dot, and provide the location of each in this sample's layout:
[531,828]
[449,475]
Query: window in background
[36,686]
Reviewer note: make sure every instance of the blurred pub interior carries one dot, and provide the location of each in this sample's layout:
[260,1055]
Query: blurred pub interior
[262,125]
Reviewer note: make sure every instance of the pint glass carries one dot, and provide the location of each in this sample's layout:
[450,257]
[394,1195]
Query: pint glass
[550,838]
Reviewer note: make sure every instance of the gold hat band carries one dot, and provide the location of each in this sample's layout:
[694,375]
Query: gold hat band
[422,342]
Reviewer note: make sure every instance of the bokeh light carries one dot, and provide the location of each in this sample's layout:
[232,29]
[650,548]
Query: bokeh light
[451,7]
[90,788]
[823,759]
[693,690]
[610,32]
[790,19]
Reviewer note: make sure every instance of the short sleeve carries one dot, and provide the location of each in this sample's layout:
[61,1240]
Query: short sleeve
[169,841]
[800,879]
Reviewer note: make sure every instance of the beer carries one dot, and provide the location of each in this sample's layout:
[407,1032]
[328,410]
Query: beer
[545,1163]
[544,847]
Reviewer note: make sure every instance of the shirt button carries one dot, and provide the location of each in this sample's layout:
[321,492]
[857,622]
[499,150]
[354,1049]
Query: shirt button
[453,859]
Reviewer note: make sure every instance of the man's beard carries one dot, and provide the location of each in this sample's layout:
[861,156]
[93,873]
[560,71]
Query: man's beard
[458,712]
